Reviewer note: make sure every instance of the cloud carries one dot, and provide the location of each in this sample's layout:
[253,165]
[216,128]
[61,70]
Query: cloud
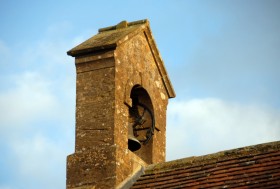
[37,97]
[29,98]
[39,160]
[202,126]
[35,133]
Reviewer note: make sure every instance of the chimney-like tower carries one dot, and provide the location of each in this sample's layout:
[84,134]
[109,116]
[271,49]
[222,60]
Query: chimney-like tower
[122,85]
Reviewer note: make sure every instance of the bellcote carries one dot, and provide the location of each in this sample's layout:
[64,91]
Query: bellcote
[122,92]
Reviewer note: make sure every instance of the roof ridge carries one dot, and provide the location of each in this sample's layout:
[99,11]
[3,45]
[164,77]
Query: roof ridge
[123,24]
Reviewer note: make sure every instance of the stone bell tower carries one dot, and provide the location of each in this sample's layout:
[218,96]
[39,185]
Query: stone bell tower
[122,92]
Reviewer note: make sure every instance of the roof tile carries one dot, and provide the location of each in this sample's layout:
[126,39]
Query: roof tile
[253,166]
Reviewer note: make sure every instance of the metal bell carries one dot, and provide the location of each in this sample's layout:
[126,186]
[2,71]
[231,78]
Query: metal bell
[133,143]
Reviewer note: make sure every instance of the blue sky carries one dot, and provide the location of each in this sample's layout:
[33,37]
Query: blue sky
[223,58]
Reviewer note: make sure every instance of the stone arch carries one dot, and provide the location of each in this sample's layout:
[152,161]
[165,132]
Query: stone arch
[140,96]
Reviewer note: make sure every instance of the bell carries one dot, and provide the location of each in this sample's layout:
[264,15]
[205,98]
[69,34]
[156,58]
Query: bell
[133,143]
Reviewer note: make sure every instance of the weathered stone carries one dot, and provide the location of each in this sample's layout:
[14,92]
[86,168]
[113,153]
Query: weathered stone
[118,62]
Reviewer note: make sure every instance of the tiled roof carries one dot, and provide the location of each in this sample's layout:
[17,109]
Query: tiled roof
[249,167]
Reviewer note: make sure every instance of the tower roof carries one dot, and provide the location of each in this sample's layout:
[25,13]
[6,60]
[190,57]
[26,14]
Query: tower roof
[110,37]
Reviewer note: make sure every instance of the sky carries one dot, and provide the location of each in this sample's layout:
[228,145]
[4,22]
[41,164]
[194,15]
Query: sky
[222,57]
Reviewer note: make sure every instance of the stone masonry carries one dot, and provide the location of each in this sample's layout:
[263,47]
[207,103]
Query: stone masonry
[109,66]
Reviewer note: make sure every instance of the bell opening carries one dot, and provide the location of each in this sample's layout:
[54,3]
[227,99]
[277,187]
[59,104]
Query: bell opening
[133,144]
[140,123]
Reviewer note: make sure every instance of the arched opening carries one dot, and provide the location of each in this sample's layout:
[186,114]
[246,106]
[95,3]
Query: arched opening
[141,124]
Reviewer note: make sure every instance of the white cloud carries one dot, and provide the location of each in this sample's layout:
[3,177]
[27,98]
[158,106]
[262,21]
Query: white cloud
[29,98]
[202,126]
[39,160]
[37,129]
[38,149]
[37,97]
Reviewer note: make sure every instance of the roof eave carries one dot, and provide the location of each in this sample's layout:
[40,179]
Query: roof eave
[76,53]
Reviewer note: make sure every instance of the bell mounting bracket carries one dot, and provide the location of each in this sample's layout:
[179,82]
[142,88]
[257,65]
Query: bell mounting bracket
[144,121]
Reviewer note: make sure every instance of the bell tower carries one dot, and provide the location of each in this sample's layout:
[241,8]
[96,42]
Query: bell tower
[122,92]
